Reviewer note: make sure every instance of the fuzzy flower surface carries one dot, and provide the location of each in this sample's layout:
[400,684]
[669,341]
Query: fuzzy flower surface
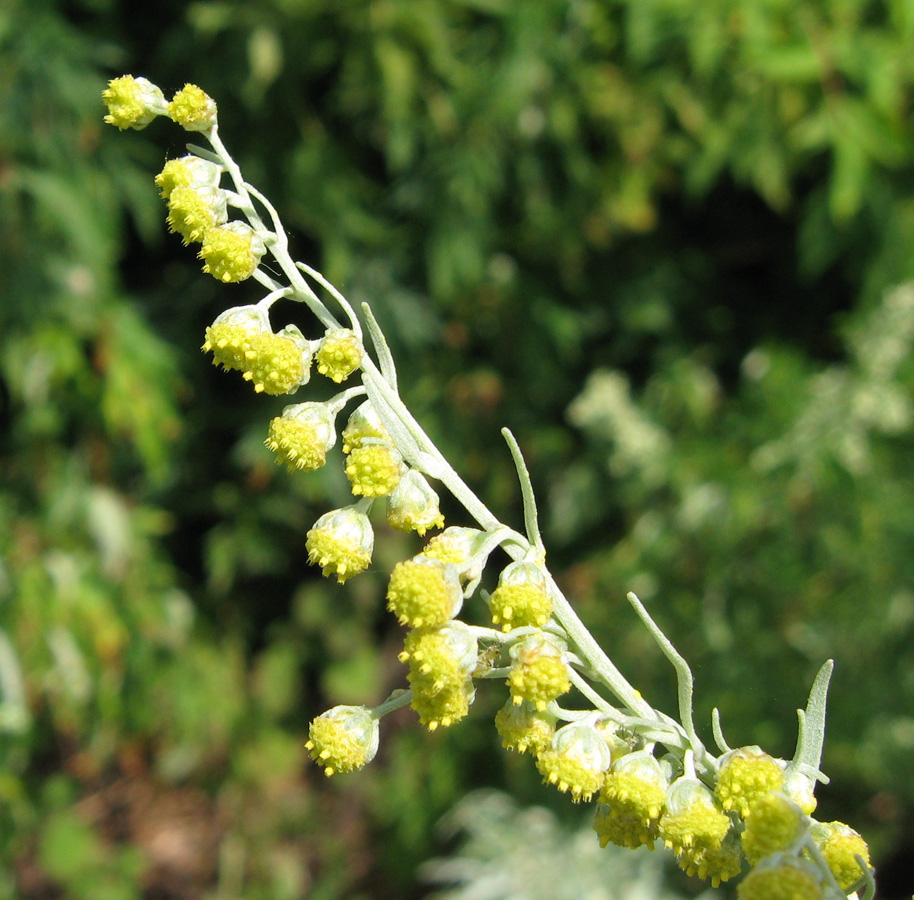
[745,775]
[374,469]
[132,102]
[782,877]
[524,728]
[539,673]
[278,363]
[193,109]
[187,171]
[231,252]
[521,598]
[424,593]
[631,801]
[839,844]
[413,504]
[339,354]
[773,824]
[364,423]
[341,543]
[343,739]
[193,211]
[302,435]
[576,760]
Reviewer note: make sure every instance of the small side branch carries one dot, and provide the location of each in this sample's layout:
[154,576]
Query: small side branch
[531,517]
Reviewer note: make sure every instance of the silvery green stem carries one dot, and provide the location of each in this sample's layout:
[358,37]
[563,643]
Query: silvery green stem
[531,518]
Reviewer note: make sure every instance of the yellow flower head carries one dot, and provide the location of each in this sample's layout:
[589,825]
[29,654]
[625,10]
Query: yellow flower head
[576,760]
[718,864]
[440,658]
[302,435]
[692,820]
[193,211]
[521,597]
[343,739]
[187,171]
[524,728]
[424,593]
[539,673]
[341,543]
[632,800]
[457,545]
[745,775]
[132,102]
[231,252]
[374,469]
[839,844]
[773,824]
[339,354]
[278,363]
[193,109]
[782,877]
[363,423]
[413,504]
[230,338]
[443,708]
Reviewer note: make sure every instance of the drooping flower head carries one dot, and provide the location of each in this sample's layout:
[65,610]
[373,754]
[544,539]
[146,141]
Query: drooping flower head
[523,728]
[339,354]
[632,800]
[774,823]
[521,597]
[133,102]
[576,760]
[341,543]
[193,211]
[746,774]
[539,673]
[364,422]
[413,504]
[187,171]
[424,593]
[193,109]
[692,824]
[782,877]
[230,338]
[343,739]
[374,468]
[839,844]
[302,435]
[231,252]
[458,546]
[440,657]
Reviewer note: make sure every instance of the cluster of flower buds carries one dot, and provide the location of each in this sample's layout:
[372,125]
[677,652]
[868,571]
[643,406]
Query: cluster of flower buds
[650,777]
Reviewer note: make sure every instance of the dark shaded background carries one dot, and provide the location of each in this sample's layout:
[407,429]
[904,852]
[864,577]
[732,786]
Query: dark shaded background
[656,239]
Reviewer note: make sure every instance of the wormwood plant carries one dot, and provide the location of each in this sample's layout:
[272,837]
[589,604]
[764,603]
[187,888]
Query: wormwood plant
[651,776]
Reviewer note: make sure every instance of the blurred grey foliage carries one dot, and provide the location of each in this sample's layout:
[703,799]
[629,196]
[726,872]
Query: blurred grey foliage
[510,853]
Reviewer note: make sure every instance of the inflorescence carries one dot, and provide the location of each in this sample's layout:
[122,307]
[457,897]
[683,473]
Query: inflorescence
[651,778]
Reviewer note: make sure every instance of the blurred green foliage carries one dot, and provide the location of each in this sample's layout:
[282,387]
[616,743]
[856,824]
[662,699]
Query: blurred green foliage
[657,238]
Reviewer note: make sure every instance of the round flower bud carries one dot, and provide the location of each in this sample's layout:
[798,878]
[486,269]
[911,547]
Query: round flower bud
[440,657]
[230,338]
[521,597]
[445,707]
[458,545]
[339,354]
[231,252]
[774,823]
[839,844]
[745,775]
[278,363]
[302,435]
[782,877]
[132,102]
[524,728]
[539,673]
[576,760]
[374,469]
[193,109]
[692,821]
[424,593]
[188,171]
[631,801]
[193,211]
[341,542]
[343,739]
[413,504]
[363,423]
